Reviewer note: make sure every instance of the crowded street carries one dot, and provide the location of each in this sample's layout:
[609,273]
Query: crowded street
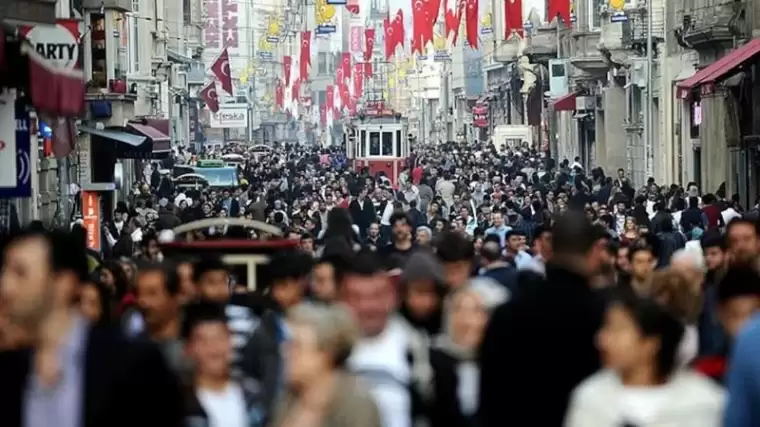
[395,213]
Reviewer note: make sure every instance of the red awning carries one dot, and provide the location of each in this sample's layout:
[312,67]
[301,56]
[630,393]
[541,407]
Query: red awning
[161,141]
[53,90]
[565,103]
[720,68]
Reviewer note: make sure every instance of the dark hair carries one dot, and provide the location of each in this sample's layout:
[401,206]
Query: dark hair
[169,272]
[451,246]
[653,321]
[573,234]
[399,216]
[738,281]
[207,264]
[105,300]
[197,313]
[739,221]
[365,263]
[66,252]
[713,239]
[288,264]
[121,284]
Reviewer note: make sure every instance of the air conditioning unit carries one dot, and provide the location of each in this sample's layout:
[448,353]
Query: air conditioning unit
[638,72]
[585,103]
[559,74]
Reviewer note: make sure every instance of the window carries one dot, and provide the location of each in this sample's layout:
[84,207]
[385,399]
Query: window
[363,144]
[186,15]
[695,120]
[399,152]
[595,16]
[387,144]
[558,70]
[135,6]
[322,63]
[374,143]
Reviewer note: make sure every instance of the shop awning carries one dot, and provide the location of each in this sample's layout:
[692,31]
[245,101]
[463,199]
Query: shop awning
[52,91]
[565,102]
[126,145]
[161,141]
[720,68]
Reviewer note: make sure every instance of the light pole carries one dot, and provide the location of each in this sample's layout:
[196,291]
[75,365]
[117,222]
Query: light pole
[649,99]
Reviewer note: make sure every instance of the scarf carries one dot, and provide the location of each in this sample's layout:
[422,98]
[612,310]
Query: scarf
[444,343]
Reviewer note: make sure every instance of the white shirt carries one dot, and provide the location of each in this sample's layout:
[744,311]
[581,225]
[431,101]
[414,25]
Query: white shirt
[381,362]
[730,214]
[225,408]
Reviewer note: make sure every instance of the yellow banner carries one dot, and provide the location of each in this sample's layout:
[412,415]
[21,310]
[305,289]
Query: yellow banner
[325,16]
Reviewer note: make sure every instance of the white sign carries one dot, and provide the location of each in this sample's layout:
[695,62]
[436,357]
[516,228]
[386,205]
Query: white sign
[56,43]
[230,116]
[8,171]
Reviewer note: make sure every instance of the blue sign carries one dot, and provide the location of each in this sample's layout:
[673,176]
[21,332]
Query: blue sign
[23,161]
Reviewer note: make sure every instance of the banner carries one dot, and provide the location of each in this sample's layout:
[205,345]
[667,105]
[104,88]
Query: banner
[618,11]
[91,218]
[273,30]
[480,115]
[15,148]
[440,50]
[264,49]
[230,116]
[355,40]
[486,20]
[325,16]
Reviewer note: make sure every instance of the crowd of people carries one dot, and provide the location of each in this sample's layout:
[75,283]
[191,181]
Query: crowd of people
[482,287]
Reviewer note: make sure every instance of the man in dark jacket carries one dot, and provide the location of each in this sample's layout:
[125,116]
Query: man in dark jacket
[540,345]
[692,216]
[73,374]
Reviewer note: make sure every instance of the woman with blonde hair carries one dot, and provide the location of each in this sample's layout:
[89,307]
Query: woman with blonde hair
[320,392]
[671,288]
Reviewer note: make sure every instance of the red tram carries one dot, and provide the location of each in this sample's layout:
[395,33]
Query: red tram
[377,139]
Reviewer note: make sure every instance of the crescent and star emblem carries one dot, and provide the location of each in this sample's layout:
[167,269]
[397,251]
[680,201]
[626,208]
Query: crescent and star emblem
[212,93]
[226,68]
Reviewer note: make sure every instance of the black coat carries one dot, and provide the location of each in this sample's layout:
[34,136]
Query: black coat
[126,384]
[536,349]
[445,409]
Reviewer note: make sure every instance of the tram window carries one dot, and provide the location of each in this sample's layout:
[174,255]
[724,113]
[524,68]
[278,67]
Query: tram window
[363,144]
[399,153]
[387,144]
[374,143]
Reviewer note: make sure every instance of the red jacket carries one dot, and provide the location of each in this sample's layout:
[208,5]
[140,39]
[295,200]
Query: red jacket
[713,216]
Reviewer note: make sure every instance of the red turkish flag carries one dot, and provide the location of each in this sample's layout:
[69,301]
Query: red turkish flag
[358,80]
[339,78]
[296,90]
[287,64]
[344,95]
[369,43]
[353,7]
[305,58]
[279,94]
[345,63]
[471,22]
[330,97]
[513,22]
[559,9]
[424,16]
[209,96]
[390,38]
[221,69]
[452,20]
[398,28]
[368,72]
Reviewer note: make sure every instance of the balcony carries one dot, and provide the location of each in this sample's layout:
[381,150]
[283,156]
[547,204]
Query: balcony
[28,11]
[708,23]
[120,5]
